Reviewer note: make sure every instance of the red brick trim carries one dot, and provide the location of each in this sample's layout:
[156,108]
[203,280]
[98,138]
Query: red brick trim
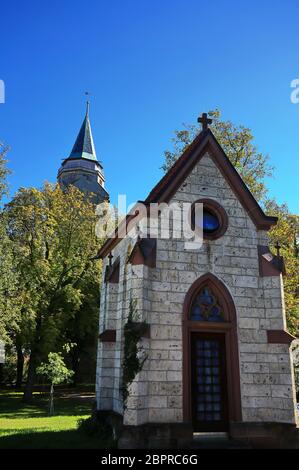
[269,264]
[108,336]
[144,252]
[279,337]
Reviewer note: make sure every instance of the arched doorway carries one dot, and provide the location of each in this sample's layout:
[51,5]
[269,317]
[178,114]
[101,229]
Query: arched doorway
[211,388]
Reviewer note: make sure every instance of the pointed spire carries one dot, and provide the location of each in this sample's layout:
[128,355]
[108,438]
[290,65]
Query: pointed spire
[84,146]
[87,108]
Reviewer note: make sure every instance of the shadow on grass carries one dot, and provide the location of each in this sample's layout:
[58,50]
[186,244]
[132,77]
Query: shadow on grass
[72,439]
[12,407]
[16,413]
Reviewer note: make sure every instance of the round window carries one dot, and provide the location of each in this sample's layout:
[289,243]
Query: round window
[210,221]
[213,221]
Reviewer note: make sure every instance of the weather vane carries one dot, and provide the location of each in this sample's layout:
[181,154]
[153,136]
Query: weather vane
[87,93]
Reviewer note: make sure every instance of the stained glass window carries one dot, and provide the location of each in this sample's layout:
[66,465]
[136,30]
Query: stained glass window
[210,222]
[205,307]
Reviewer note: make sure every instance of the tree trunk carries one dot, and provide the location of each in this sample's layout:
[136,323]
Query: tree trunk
[75,366]
[20,365]
[51,403]
[1,373]
[27,397]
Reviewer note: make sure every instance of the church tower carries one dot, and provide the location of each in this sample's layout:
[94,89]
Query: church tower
[82,168]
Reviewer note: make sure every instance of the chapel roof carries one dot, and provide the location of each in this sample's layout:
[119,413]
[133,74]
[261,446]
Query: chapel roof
[204,142]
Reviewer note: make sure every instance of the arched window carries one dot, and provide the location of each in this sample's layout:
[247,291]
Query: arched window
[205,307]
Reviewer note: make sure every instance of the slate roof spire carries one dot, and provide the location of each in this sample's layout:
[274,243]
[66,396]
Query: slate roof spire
[84,146]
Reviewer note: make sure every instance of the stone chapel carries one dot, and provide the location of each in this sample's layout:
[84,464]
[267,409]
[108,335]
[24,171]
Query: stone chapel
[217,348]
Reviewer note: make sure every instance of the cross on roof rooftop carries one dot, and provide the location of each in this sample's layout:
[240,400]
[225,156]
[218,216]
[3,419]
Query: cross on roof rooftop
[205,121]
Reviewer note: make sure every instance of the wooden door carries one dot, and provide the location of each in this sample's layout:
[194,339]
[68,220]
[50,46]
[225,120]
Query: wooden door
[209,384]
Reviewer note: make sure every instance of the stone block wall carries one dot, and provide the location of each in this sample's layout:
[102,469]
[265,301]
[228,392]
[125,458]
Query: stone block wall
[267,383]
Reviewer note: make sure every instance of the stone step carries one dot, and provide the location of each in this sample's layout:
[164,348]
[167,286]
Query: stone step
[215,441]
[218,444]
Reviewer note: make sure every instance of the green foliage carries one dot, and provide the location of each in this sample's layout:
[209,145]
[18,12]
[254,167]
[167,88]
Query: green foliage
[55,369]
[56,372]
[10,298]
[93,427]
[237,143]
[82,327]
[9,368]
[295,351]
[132,361]
[286,232]
[10,302]
[4,171]
[53,244]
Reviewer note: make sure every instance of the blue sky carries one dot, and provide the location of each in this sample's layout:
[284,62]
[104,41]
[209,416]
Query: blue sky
[150,65]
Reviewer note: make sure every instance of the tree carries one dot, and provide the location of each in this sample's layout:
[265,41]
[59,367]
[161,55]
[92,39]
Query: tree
[295,352]
[9,304]
[4,171]
[81,329]
[237,143]
[56,372]
[53,233]
[286,233]
[9,300]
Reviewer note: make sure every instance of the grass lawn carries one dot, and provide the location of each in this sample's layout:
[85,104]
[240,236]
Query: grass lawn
[29,426]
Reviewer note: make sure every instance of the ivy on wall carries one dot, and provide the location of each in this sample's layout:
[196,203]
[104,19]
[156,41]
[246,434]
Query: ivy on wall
[132,362]
[295,353]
